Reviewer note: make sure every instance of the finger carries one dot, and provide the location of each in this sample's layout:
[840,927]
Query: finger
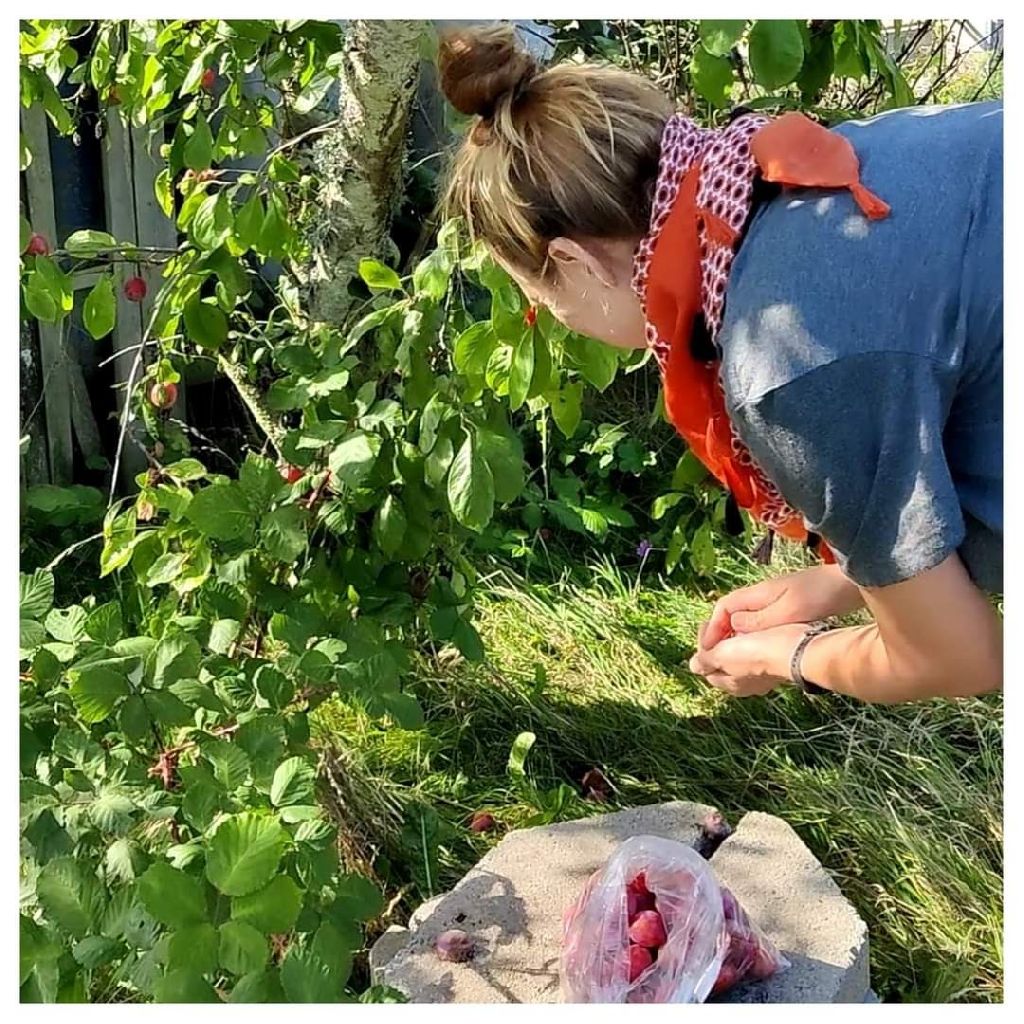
[701,665]
[718,626]
[723,682]
[701,633]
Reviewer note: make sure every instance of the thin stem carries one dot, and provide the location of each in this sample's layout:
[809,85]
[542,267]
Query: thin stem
[74,547]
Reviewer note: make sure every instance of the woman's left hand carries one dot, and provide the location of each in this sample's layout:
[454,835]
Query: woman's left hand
[750,664]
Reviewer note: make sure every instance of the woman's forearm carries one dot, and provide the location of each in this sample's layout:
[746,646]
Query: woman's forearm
[846,596]
[856,662]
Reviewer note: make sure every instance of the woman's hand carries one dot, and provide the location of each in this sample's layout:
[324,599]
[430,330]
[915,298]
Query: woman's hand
[816,593]
[752,664]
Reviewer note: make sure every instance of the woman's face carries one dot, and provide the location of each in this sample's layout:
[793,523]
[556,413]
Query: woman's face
[589,290]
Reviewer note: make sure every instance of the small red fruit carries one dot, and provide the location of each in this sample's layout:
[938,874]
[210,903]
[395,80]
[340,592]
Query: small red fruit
[135,289]
[727,977]
[530,316]
[208,79]
[163,396]
[648,930]
[291,473]
[455,946]
[482,822]
[637,903]
[37,246]
[639,960]
[639,884]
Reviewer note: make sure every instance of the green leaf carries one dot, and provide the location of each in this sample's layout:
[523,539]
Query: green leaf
[377,275]
[167,568]
[184,987]
[40,302]
[104,625]
[566,408]
[95,951]
[517,758]
[521,374]
[35,593]
[258,987]
[230,763]
[169,711]
[294,783]
[112,812]
[597,362]
[200,805]
[712,77]
[331,947]
[96,691]
[430,278]
[249,222]
[276,232]
[264,740]
[818,66]
[163,193]
[70,895]
[433,415]
[274,687]
[719,37]
[305,978]
[260,481]
[205,324]
[467,640]
[124,860]
[87,244]
[222,512]
[211,224]
[473,349]
[356,898]
[314,92]
[194,949]
[176,656]
[272,910]
[245,852]
[389,525]
[776,52]
[663,503]
[172,897]
[689,471]
[471,487]
[702,549]
[223,633]
[243,949]
[100,309]
[283,533]
[504,455]
[198,151]
[404,709]
[66,624]
[353,458]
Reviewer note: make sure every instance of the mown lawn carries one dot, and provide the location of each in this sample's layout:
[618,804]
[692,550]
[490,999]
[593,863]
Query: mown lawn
[903,805]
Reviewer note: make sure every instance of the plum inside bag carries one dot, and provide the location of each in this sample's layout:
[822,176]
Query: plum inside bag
[655,926]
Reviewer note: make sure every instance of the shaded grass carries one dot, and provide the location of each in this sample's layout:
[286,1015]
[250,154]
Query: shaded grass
[902,805]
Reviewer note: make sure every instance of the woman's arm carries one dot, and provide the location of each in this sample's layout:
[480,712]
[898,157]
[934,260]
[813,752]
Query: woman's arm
[935,635]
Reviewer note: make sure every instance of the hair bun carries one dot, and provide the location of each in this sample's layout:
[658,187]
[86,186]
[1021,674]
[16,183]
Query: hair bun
[479,66]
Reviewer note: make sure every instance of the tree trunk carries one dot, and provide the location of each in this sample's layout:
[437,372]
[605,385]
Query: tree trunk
[359,162]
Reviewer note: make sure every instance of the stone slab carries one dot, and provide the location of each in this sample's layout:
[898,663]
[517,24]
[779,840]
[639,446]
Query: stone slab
[512,904]
[788,894]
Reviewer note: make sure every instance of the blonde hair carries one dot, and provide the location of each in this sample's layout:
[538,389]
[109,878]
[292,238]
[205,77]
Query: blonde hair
[571,150]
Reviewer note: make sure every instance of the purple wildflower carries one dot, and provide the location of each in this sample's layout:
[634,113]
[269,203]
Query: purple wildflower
[644,548]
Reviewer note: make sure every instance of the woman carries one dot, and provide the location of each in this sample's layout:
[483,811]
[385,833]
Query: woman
[826,310]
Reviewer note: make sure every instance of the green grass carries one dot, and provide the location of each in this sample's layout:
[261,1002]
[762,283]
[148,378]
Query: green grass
[903,805]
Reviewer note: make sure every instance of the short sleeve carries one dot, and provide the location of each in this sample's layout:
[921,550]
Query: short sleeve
[856,446]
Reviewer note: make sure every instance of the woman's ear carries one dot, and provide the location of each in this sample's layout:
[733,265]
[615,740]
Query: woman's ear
[571,258]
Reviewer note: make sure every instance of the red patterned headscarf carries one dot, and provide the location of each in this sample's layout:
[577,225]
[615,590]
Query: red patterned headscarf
[702,200]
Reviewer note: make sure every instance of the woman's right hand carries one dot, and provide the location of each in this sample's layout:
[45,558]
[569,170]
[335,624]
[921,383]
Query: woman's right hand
[805,596]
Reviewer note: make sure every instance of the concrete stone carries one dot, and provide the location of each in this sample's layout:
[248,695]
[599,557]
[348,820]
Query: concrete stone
[788,894]
[384,949]
[512,902]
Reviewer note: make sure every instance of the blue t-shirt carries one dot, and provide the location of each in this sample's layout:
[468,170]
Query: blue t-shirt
[863,360]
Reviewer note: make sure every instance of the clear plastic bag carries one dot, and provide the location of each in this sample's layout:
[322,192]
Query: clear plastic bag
[703,943]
